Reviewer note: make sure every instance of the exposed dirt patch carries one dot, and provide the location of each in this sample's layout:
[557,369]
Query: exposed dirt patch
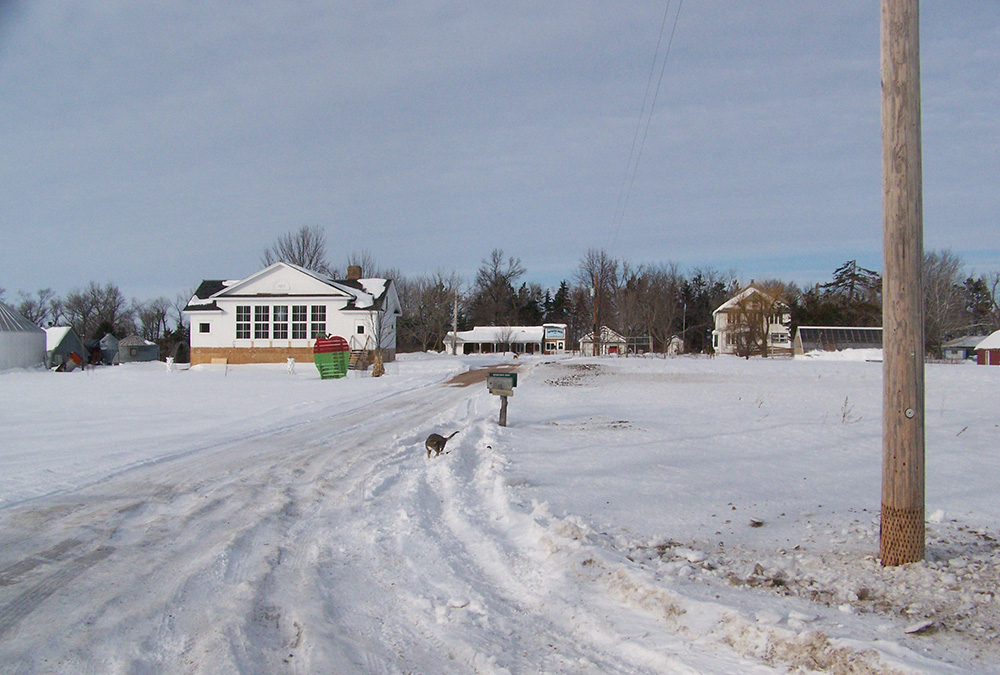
[578,373]
[479,374]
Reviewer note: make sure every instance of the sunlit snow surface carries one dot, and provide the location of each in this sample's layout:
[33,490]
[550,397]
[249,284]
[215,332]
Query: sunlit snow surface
[636,516]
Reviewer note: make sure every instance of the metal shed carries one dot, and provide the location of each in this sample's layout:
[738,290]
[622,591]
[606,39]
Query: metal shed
[22,343]
[133,349]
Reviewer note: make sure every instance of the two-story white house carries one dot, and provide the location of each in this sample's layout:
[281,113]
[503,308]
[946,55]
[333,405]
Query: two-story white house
[752,323]
[278,312]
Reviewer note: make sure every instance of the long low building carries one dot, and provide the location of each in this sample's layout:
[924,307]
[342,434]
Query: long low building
[836,338]
[549,338]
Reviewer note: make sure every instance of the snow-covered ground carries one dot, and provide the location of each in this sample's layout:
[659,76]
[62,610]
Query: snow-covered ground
[636,516]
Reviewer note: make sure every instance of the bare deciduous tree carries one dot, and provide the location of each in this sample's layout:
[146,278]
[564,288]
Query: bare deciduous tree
[38,308]
[504,336]
[428,307]
[494,301]
[598,271]
[152,318]
[945,314]
[97,310]
[305,247]
[663,314]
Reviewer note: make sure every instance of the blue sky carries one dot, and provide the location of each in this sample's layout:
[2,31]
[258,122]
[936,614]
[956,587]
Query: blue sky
[156,144]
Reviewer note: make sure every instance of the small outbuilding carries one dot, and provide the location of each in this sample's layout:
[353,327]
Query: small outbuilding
[836,338]
[134,349]
[104,351]
[22,343]
[610,343]
[961,349]
[64,349]
[988,351]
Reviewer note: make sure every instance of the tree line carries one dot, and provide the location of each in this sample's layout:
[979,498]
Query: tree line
[654,301]
[98,309]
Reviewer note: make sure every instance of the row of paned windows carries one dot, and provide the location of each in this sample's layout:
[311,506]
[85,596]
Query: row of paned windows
[271,323]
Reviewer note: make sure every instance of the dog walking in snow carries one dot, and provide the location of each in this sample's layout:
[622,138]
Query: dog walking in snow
[435,443]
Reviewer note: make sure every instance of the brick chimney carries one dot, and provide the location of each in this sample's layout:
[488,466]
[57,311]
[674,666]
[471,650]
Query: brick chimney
[353,272]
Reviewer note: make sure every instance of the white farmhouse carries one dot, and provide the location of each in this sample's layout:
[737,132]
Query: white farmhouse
[752,322]
[277,313]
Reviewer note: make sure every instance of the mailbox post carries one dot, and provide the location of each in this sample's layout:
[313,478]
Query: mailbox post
[502,385]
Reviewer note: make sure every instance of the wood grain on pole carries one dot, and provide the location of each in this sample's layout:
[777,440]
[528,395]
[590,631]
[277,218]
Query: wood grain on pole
[901,538]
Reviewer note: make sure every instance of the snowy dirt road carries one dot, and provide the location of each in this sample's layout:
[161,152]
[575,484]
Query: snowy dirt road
[331,544]
[328,546]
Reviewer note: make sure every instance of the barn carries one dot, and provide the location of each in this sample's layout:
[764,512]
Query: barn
[988,351]
[22,343]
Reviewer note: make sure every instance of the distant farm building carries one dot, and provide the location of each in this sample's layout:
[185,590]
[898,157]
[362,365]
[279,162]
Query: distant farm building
[64,349]
[104,352]
[548,338]
[133,349]
[988,351]
[836,339]
[22,343]
[961,349]
[752,323]
[610,343]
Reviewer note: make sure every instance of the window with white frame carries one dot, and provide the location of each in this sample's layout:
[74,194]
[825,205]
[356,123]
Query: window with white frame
[300,317]
[279,322]
[243,322]
[261,322]
[317,321]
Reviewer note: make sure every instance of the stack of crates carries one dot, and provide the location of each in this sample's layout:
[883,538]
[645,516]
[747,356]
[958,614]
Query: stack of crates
[332,356]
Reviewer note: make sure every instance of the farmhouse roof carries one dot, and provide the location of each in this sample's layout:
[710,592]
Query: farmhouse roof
[607,335]
[966,342]
[362,294]
[732,302]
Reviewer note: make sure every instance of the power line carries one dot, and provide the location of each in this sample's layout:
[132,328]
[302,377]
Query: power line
[632,169]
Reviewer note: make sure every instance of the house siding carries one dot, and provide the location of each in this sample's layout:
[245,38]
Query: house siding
[239,321]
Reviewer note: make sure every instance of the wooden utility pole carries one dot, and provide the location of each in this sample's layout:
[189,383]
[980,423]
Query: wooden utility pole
[595,349]
[901,539]
[454,327]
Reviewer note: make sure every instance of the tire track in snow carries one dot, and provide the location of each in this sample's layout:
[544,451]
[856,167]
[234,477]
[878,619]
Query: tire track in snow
[21,606]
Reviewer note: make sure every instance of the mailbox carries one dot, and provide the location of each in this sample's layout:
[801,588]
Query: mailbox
[501,384]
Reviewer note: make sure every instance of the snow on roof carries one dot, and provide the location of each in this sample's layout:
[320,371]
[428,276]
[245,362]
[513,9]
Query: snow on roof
[517,334]
[748,291]
[362,299]
[992,341]
[54,335]
[13,321]
[374,287]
